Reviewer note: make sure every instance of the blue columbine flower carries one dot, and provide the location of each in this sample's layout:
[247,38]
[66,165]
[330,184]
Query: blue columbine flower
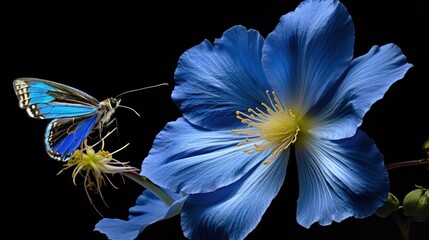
[298,88]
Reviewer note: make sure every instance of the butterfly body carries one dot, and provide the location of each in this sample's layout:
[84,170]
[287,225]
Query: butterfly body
[75,113]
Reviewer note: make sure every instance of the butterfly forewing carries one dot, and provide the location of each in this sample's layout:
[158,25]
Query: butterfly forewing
[45,99]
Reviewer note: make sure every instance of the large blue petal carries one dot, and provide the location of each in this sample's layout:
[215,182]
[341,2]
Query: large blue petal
[186,158]
[369,76]
[214,81]
[339,179]
[307,52]
[232,212]
[148,210]
[366,80]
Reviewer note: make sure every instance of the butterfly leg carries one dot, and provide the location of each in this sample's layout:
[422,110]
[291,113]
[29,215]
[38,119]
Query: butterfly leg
[114,120]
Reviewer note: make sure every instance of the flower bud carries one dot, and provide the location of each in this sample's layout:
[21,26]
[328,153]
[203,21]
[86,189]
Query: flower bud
[391,205]
[416,204]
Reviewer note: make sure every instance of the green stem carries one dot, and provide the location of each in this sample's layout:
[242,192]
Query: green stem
[404,226]
[391,166]
[143,181]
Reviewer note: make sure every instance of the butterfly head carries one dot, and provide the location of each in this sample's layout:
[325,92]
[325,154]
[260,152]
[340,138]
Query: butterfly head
[112,103]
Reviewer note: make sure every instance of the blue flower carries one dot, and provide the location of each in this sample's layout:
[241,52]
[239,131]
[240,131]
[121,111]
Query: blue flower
[248,101]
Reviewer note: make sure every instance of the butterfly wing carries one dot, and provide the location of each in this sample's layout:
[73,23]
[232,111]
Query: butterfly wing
[45,99]
[64,135]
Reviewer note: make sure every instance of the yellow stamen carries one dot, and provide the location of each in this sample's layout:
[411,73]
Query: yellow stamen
[274,129]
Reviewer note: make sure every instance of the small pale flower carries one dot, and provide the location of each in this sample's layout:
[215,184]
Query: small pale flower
[96,166]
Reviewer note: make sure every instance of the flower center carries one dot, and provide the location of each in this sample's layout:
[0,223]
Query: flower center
[274,129]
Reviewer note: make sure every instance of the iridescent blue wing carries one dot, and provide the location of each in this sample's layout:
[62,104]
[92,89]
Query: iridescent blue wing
[64,135]
[46,99]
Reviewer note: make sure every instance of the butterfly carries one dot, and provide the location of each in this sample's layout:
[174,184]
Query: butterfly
[75,113]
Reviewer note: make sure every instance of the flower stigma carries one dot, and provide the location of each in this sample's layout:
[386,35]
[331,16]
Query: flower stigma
[94,167]
[274,129]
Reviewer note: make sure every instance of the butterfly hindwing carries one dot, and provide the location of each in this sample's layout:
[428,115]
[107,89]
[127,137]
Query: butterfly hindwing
[64,135]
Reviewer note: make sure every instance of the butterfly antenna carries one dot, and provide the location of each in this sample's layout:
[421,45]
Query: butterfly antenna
[143,88]
[122,106]
[135,90]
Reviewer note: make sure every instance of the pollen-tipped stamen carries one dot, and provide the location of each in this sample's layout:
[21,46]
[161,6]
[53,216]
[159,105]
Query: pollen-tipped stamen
[276,128]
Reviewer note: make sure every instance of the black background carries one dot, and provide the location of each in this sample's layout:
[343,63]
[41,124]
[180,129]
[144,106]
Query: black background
[105,48]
